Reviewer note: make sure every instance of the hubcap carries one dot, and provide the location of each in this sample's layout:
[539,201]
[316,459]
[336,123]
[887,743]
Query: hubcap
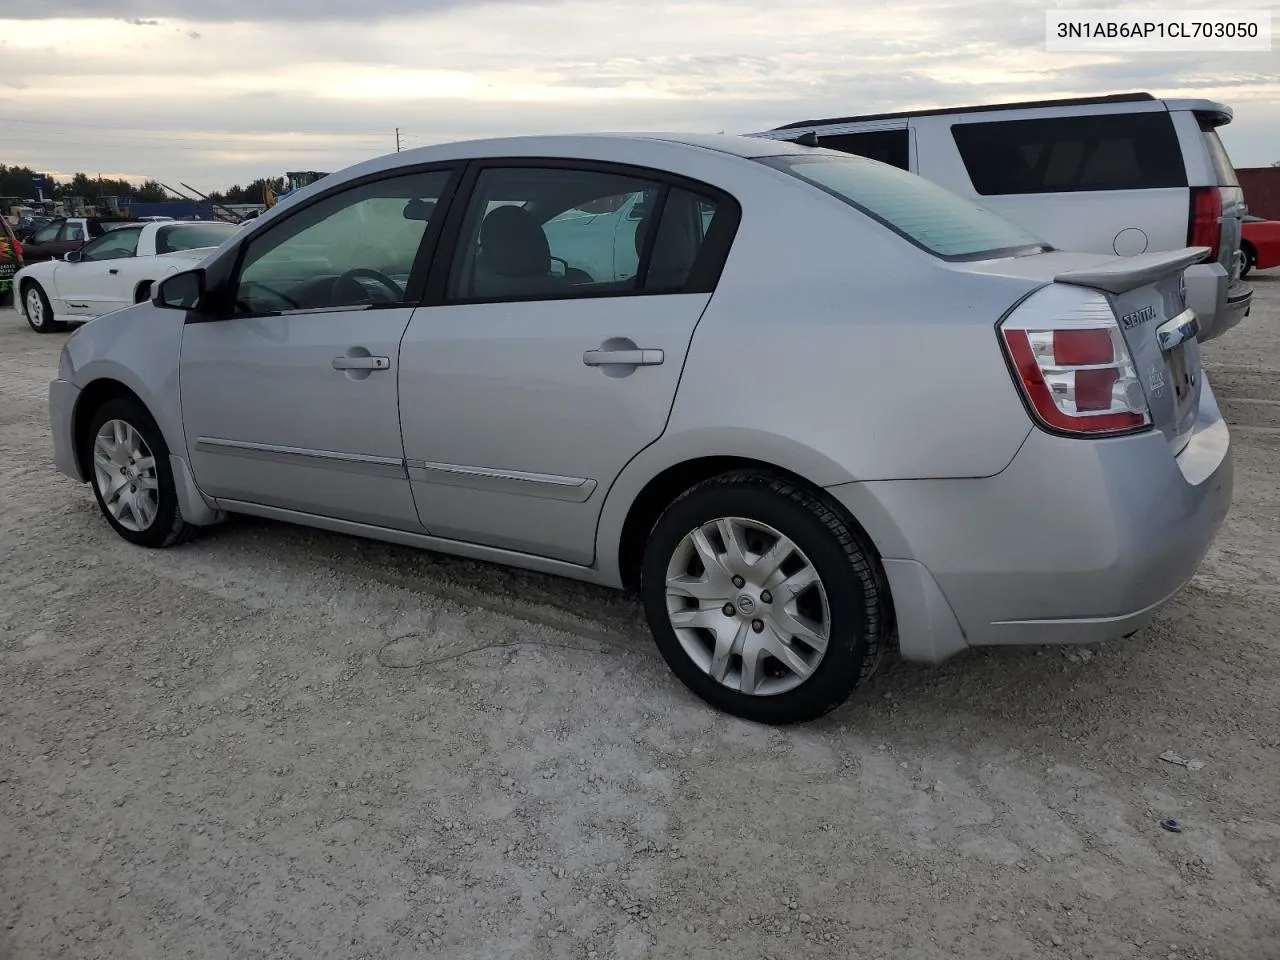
[124,471]
[747,606]
[35,308]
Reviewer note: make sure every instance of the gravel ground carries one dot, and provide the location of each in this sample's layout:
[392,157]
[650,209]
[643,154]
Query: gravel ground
[279,743]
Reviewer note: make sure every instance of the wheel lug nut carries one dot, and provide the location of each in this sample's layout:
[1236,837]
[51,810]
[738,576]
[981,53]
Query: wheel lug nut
[728,610]
[766,597]
[757,626]
[739,582]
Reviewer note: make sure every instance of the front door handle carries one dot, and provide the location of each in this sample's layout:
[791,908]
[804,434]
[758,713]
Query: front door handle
[361,363]
[629,358]
[113,271]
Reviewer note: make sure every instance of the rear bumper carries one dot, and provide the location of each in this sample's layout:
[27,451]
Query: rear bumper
[62,407]
[1219,302]
[1077,541]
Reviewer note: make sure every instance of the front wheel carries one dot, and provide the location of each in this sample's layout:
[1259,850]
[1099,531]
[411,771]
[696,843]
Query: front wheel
[39,313]
[131,477]
[762,599]
[1250,260]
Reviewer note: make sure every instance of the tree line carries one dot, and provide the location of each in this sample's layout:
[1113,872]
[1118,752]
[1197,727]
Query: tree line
[15,181]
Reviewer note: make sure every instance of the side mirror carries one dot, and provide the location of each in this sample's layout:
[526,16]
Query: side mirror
[182,291]
[73,256]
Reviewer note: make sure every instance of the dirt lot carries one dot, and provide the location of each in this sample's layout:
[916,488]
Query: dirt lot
[279,743]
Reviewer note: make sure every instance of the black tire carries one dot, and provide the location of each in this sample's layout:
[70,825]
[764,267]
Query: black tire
[44,323]
[143,292]
[857,596]
[167,528]
[1250,259]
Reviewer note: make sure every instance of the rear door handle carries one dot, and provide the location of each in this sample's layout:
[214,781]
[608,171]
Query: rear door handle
[629,358]
[361,363]
[113,270]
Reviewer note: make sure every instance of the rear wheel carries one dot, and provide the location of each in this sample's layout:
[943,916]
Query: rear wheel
[132,481]
[762,599]
[143,292]
[1250,259]
[37,309]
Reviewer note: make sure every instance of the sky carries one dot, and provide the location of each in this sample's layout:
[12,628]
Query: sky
[216,92]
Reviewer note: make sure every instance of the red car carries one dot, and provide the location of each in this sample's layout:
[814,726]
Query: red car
[1260,243]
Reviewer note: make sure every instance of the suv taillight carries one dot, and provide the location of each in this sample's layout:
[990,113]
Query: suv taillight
[1206,215]
[1070,359]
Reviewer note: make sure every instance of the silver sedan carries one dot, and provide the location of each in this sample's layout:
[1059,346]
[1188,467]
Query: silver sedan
[807,404]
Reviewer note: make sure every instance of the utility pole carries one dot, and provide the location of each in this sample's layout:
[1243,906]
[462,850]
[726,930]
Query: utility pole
[397,139]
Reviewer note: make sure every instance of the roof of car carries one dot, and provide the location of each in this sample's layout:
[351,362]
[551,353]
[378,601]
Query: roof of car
[1211,107]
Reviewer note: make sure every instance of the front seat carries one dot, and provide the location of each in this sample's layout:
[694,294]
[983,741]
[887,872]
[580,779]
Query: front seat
[514,257]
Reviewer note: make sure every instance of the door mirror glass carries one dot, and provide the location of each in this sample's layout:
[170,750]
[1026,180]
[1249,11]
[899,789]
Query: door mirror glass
[182,291]
[73,256]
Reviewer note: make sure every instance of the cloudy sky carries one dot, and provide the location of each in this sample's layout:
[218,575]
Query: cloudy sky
[212,92]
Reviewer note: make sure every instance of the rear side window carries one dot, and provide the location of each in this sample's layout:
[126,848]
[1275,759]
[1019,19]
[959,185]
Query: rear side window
[1226,173]
[930,216]
[1133,151]
[887,146]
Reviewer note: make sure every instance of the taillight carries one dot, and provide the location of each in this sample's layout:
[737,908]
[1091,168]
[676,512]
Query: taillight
[1072,363]
[1206,217]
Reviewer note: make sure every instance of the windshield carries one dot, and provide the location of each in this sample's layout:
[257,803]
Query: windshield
[170,239]
[930,216]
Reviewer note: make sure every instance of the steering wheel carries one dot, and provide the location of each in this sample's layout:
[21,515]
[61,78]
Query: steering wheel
[251,308]
[355,275]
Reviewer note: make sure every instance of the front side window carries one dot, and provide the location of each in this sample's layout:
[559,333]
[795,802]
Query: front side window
[930,216]
[544,232]
[887,146]
[115,245]
[172,239]
[353,248]
[1132,151]
[48,233]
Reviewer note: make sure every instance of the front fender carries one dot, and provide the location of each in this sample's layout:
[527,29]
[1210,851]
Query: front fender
[139,347]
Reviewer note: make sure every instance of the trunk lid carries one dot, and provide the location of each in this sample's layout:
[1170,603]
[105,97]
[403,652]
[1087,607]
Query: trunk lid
[1148,295]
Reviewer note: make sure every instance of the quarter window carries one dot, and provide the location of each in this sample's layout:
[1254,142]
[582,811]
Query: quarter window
[171,239]
[72,231]
[354,248]
[1133,151]
[550,233]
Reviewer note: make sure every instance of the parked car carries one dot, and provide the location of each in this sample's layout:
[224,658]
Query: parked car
[28,225]
[113,271]
[1260,243]
[1123,174]
[834,404]
[10,260]
[64,234]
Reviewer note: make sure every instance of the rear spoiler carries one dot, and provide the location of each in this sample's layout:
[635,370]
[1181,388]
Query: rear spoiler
[1127,273]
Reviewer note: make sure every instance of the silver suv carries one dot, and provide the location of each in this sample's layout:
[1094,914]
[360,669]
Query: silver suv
[1122,174]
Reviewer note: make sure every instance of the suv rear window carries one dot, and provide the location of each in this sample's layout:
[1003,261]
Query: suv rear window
[930,216]
[1123,151]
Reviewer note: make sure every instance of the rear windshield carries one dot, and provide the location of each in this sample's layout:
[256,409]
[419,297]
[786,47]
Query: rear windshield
[1218,155]
[930,216]
[172,239]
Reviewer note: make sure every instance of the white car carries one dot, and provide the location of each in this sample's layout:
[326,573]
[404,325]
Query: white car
[115,270]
